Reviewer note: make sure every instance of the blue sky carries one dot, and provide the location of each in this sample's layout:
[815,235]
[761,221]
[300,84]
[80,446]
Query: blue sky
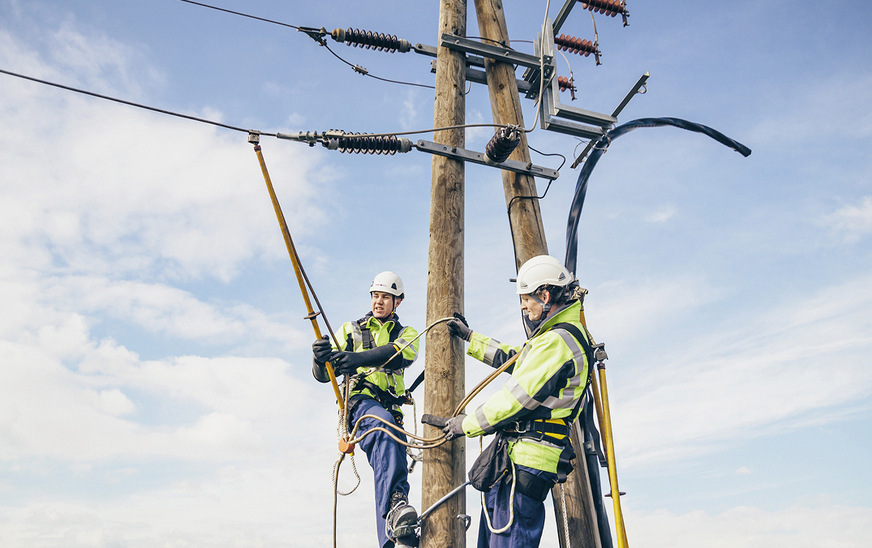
[156,386]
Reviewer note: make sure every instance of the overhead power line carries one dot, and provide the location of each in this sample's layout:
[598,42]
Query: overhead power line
[131,103]
[352,37]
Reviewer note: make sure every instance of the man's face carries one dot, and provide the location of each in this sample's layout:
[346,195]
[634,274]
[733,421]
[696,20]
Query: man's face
[532,307]
[383,304]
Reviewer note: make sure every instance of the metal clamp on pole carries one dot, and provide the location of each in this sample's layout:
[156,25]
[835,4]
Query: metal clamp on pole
[465,155]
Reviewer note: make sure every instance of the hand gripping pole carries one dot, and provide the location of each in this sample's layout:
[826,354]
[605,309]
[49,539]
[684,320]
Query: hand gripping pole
[312,316]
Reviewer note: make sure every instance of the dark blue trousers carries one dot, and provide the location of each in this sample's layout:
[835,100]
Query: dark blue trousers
[386,457]
[526,529]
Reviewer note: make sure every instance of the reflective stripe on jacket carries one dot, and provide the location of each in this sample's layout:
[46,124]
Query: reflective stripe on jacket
[380,332]
[546,383]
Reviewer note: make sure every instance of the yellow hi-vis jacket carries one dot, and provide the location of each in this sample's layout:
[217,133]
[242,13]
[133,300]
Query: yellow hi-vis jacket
[546,384]
[380,333]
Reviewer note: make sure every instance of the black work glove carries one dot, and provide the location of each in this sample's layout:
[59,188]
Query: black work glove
[321,350]
[347,363]
[459,328]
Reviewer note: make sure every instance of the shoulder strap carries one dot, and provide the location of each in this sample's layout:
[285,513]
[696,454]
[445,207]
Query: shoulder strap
[365,334]
[588,351]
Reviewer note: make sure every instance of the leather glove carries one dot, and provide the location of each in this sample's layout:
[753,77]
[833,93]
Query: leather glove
[347,363]
[321,350]
[454,428]
[459,328]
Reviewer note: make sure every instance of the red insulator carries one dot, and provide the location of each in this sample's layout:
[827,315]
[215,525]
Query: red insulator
[575,45]
[565,84]
[606,7]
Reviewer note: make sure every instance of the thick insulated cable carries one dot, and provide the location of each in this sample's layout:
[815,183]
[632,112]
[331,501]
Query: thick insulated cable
[602,145]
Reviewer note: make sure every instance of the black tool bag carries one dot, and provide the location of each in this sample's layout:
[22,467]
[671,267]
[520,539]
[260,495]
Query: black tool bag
[491,465]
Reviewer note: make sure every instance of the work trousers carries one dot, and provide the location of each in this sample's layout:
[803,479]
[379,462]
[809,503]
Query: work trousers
[529,518]
[386,457]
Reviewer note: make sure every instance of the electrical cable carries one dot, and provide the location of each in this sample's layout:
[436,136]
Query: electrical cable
[364,72]
[602,145]
[357,68]
[241,14]
[133,104]
[278,135]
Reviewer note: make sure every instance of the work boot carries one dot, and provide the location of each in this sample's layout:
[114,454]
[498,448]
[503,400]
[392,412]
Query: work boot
[401,521]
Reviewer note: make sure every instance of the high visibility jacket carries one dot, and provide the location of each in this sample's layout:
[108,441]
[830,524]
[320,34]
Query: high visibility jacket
[369,332]
[547,383]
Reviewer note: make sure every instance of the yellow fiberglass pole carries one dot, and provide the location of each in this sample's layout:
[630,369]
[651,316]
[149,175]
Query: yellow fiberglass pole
[610,455]
[295,259]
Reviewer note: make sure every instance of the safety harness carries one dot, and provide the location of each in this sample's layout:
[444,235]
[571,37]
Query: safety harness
[389,399]
[554,431]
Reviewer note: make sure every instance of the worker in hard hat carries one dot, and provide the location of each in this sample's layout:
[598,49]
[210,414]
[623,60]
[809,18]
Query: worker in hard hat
[535,407]
[378,343]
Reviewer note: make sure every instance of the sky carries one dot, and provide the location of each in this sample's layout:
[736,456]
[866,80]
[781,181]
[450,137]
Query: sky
[155,385]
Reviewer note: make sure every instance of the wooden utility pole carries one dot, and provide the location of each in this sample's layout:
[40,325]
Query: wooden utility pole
[528,235]
[525,220]
[445,467]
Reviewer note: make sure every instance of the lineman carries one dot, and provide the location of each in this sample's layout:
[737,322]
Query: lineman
[535,407]
[374,342]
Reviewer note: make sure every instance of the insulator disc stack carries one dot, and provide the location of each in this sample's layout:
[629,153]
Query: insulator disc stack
[575,45]
[371,40]
[564,84]
[611,8]
[362,143]
[501,145]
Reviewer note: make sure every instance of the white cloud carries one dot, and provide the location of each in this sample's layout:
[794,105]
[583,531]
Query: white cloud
[662,214]
[805,524]
[766,374]
[854,221]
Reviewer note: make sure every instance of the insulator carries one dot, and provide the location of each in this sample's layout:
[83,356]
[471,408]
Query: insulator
[575,45]
[565,84]
[363,143]
[371,40]
[607,7]
[501,145]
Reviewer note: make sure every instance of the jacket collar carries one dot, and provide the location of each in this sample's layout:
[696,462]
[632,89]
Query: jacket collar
[567,313]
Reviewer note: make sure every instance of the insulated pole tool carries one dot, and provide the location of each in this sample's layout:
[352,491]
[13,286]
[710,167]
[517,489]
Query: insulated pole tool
[254,138]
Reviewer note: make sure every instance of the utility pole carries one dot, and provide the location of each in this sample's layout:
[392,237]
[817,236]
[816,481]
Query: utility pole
[528,235]
[525,220]
[445,467]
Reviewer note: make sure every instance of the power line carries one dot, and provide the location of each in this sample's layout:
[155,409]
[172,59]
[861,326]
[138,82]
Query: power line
[132,104]
[242,14]
[317,35]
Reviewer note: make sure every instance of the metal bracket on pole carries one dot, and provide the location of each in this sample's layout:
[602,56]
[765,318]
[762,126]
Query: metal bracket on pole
[458,153]
[497,53]
[637,88]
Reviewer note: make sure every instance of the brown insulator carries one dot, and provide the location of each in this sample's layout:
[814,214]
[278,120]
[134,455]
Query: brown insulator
[501,145]
[575,45]
[606,7]
[565,84]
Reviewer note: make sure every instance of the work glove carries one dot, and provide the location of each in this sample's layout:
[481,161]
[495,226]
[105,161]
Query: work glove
[459,328]
[321,350]
[452,427]
[347,363]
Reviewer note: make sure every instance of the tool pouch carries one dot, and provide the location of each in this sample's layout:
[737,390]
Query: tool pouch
[491,465]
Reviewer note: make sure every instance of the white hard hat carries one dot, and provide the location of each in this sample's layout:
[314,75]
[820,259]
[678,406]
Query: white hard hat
[387,282]
[542,270]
